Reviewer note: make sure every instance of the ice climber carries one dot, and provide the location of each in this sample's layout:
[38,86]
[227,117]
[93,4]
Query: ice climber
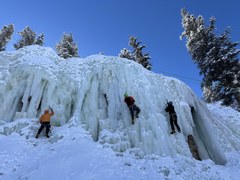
[173,117]
[134,110]
[45,122]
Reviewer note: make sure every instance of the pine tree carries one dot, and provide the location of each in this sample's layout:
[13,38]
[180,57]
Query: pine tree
[137,54]
[228,67]
[67,48]
[216,57]
[5,36]
[29,38]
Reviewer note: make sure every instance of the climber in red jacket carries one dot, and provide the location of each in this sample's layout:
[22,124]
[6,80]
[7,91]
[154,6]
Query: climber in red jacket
[129,100]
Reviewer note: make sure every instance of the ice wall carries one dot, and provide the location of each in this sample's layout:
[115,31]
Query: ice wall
[90,91]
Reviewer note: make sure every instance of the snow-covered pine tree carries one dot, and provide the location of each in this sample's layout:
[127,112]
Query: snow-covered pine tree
[228,67]
[67,48]
[28,38]
[5,36]
[223,78]
[138,56]
[216,57]
[125,53]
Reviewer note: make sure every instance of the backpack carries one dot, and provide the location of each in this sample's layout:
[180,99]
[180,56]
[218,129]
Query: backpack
[132,100]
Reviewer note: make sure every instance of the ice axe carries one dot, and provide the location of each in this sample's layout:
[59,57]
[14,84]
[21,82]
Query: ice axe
[50,108]
[167,101]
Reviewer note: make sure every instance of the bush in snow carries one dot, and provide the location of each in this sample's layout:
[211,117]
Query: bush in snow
[29,38]
[67,48]
[216,57]
[125,53]
[5,36]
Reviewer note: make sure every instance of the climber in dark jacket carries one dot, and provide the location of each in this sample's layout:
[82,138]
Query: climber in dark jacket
[173,117]
[129,100]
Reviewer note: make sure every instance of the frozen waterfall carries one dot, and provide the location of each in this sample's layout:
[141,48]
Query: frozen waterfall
[89,91]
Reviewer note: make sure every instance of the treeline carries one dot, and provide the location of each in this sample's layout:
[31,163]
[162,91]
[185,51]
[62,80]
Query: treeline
[67,48]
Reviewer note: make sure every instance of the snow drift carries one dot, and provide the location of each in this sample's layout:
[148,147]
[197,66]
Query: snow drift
[89,91]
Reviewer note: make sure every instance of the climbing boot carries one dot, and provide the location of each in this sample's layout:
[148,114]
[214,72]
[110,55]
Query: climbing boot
[172,132]
[47,135]
[36,136]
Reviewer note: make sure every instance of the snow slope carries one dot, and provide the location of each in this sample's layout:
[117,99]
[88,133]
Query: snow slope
[91,120]
[226,120]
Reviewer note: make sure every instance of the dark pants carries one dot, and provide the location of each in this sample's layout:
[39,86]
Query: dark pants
[132,109]
[173,121]
[44,124]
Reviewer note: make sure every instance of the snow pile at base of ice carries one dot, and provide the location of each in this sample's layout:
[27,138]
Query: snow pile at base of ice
[70,153]
[89,91]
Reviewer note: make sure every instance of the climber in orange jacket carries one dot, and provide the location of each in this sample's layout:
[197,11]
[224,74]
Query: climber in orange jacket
[45,122]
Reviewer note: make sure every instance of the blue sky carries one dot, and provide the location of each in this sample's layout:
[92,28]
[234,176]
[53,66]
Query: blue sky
[106,25]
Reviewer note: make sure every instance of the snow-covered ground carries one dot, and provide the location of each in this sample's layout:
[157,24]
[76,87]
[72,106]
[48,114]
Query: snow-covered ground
[92,136]
[70,153]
